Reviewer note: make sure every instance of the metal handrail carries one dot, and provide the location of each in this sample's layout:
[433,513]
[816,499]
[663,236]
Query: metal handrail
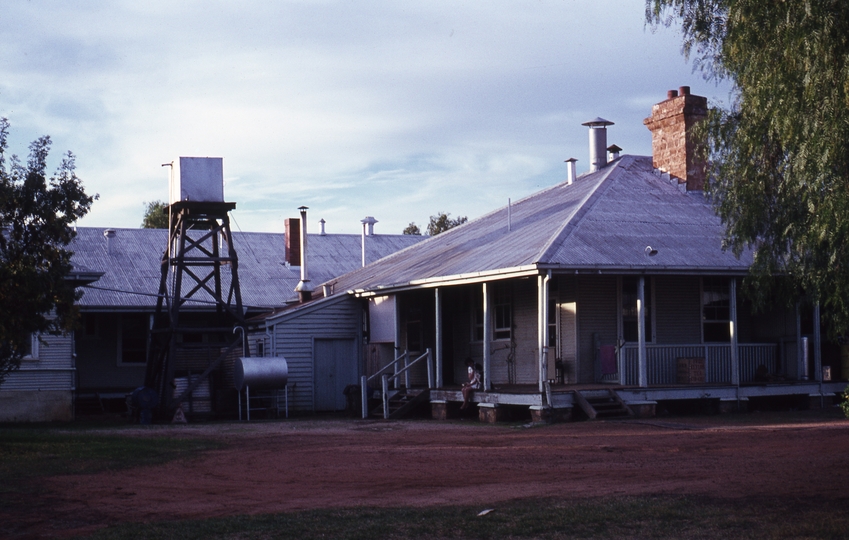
[387,366]
[385,379]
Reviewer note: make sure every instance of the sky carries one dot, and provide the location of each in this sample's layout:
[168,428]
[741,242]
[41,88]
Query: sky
[397,110]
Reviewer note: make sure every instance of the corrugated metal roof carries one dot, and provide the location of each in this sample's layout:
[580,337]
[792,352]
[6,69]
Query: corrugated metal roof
[603,221]
[131,272]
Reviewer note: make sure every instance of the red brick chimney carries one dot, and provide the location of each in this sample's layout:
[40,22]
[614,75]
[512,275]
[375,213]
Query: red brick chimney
[672,142]
[293,241]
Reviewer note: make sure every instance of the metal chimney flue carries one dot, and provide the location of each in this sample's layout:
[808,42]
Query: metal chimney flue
[110,235]
[570,170]
[368,230]
[304,289]
[598,142]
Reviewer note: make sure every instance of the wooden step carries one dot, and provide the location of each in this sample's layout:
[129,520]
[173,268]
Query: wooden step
[604,403]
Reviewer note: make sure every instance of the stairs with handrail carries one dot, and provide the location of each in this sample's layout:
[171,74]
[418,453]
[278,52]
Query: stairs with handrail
[402,402]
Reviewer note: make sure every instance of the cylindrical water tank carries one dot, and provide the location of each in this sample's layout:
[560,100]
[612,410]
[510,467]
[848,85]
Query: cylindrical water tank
[261,372]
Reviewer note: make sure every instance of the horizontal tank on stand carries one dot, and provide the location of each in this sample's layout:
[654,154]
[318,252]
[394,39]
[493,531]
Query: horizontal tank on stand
[266,377]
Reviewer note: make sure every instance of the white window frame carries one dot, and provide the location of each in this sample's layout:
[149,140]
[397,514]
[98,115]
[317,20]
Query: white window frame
[703,305]
[505,290]
[33,353]
[652,304]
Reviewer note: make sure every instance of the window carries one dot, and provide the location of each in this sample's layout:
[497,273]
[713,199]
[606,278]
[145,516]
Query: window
[628,311]
[502,313]
[716,310]
[477,314]
[31,348]
[415,340]
[552,322]
[503,327]
[132,339]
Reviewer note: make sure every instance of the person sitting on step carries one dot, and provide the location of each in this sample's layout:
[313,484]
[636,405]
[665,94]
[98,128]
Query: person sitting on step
[474,383]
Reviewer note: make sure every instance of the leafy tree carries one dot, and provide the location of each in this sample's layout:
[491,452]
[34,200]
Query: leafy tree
[778,161]
[413,229]
[155,216]
[35,228]
[441,222]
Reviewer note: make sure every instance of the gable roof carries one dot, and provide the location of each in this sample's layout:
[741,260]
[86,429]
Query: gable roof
[602,222]
[131,271]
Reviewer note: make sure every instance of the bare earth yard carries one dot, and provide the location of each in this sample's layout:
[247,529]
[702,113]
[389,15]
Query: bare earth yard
[306,464]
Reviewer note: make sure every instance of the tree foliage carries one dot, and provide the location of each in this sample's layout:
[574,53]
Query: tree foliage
[155,216]
[36,214]
[778,160]
[442,221]
[413,229]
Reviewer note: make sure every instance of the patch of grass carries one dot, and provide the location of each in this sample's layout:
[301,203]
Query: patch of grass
[27,454]
[623,517]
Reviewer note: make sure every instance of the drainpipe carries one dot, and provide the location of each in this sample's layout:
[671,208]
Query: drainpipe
[269,340]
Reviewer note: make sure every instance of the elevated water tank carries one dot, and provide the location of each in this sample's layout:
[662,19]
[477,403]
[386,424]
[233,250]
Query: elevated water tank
[260,372]
[197,179]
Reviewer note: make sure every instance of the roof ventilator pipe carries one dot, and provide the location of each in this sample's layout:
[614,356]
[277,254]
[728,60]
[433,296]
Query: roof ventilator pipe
[570,170]
[304,289]
[368,230]
[110,235]
[598,142]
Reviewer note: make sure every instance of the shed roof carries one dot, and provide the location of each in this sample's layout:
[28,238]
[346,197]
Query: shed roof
[131,270]
[602,222]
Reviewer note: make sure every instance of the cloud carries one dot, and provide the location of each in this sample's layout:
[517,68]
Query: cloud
[392,109]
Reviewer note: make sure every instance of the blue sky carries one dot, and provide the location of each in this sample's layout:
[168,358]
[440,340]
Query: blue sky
[392,109]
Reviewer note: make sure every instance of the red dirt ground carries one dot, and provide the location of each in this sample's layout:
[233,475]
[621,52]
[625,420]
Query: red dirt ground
[305,464]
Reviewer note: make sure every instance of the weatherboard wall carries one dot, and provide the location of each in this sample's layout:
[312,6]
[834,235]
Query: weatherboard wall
[295,336]
[42,389]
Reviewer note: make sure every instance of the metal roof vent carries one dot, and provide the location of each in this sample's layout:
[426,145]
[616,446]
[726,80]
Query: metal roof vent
[368,230]
[613,152]
[304,289]
[598,142]
[368,225]
[110,235]
[570,170]
[321,222]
